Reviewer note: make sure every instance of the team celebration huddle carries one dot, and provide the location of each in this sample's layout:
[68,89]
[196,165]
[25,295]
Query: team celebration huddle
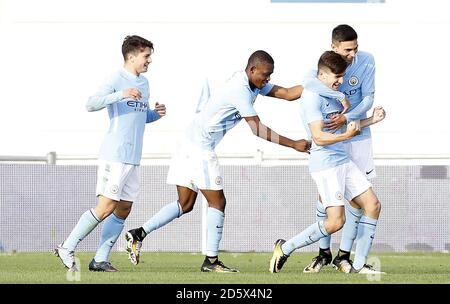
[334,99]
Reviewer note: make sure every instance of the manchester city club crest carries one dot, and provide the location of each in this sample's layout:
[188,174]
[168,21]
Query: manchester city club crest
[114,189]
[353,81]
[339,196]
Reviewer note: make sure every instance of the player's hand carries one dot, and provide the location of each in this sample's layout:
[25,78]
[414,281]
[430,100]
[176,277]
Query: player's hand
[336,122]
[353,128]
[378,114]
[132,93]
[302,145]
[346,105]
[160,109]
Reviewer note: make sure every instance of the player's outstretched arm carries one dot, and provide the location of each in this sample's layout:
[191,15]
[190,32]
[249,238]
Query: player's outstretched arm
[264,132]
[290,94]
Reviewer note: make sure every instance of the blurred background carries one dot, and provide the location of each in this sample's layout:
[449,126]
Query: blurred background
[55,54]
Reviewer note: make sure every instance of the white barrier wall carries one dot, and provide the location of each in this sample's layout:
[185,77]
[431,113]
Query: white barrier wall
[55,54]
[264,203]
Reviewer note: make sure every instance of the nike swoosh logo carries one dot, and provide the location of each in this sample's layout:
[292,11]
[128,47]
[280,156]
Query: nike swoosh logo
[368,172]
[219,227]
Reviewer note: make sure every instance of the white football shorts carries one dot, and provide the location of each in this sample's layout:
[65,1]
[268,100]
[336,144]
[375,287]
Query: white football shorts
[340,183]
[195,168]
[118,181]
[361,154]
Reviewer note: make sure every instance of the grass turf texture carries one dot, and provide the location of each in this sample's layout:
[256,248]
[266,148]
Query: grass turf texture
[184,268]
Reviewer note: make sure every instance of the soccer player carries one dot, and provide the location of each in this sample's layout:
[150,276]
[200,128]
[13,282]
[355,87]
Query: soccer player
[336,176]
[195,165]
[359,88]
[126,96]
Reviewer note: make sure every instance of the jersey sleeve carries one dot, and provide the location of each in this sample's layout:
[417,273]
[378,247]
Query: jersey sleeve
[311,108]
[242,101]
[104,96]
[266,89]
[152,116]
[368,83]
[367,92]
[361,109]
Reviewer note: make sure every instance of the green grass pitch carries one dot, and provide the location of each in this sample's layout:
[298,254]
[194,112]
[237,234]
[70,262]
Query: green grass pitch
[184,268]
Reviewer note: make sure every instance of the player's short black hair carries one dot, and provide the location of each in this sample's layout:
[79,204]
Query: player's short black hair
[134,44]
[343,32]
[258,57]
[332,61]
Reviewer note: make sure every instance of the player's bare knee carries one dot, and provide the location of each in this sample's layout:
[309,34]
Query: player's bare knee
[219,204]
[102,214]
[187,209]
[223,203]
[123,209]
[187,206]
[334,224]
[377,207]
[373,209]
[122,213]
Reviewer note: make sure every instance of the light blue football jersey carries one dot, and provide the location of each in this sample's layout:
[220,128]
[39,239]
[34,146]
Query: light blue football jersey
[359,87]
[314,107]
[123,141]
[224,109]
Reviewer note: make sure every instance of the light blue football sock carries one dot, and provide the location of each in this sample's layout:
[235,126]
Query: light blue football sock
[87,222]
[214,221]
[352,217]
[321,215]
[111,230]
[364,239]
[164,216]
[307,237]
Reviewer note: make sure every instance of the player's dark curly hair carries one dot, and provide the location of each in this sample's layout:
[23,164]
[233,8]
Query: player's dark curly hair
[134,44]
